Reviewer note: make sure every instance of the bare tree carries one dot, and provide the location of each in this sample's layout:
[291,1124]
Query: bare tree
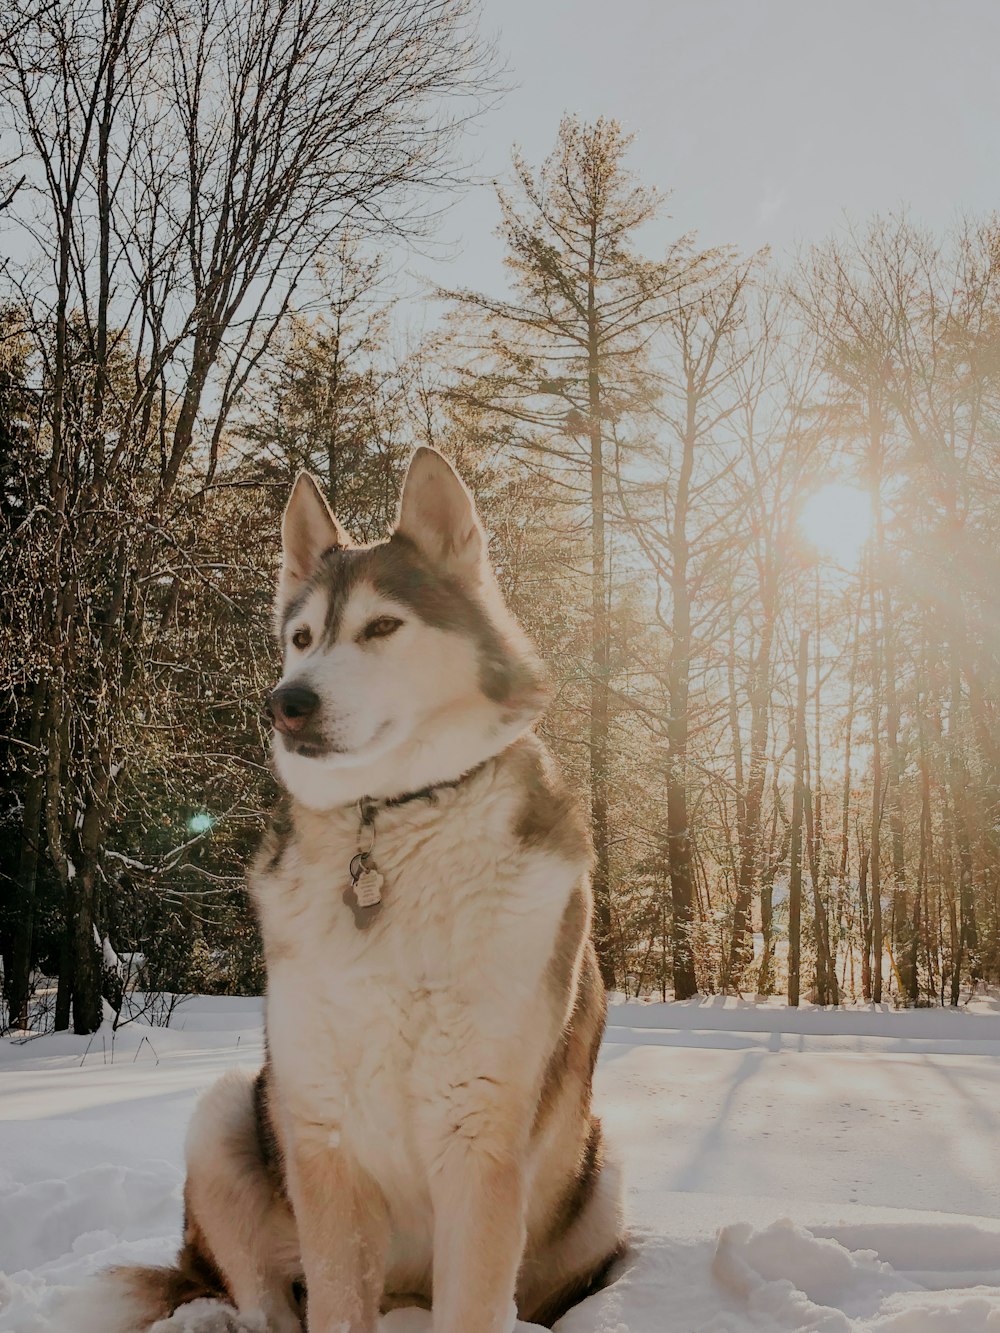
[189,161]
[567,358]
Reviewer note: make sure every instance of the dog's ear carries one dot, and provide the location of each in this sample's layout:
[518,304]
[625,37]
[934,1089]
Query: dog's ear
[308,530]
[437,513]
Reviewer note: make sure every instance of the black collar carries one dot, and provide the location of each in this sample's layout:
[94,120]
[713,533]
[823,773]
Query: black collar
[371,805]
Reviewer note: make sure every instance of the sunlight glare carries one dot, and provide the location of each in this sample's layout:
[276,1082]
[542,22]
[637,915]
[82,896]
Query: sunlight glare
[837,521]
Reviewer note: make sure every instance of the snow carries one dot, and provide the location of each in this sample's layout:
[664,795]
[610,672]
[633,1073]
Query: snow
[128,861]
[807,1171]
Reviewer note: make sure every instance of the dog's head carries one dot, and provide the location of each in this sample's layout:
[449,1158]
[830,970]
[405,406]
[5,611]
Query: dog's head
[402,666]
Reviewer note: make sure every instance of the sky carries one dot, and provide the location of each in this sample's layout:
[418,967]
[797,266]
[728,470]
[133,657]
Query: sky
[768,120]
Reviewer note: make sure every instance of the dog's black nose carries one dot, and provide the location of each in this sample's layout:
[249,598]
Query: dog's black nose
[291,706]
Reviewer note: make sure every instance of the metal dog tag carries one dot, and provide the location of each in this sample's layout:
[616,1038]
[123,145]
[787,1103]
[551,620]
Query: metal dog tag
[368,888]
[364,894]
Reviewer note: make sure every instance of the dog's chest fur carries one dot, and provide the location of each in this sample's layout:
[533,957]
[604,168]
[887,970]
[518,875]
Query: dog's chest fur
[437,1021]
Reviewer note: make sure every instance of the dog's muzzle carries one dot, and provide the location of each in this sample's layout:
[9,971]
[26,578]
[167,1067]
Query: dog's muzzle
[291,708]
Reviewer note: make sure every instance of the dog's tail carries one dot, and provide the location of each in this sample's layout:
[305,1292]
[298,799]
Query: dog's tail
[133,1299]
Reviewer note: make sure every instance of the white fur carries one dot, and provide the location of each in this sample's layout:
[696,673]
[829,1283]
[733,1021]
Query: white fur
[308,528]
[408,1058]
[400,712]
[206,1316]
[105,1304]
[428,1033]
[254,1235]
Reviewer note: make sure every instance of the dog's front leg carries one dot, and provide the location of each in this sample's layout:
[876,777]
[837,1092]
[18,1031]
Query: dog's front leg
[479,1230]
[343,1231]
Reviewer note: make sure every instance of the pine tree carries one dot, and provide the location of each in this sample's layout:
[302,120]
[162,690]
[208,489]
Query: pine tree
[566,356]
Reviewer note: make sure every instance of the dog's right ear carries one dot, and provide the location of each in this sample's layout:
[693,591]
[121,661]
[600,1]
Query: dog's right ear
[309,529]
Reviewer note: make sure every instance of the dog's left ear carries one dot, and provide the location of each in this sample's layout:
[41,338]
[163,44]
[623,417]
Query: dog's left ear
[437,513]
[309,529]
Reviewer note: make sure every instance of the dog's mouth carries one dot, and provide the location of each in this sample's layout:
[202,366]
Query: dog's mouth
[315,747]
[309,749]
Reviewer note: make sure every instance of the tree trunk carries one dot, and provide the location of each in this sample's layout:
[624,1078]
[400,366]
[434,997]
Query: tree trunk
[826,972]
[600,646]
[87,963]
[678,676]
[877,796]
[902,922]
[926,847]
[776,856]
[968,934]
[866,923]
[845,810]
[750,829]
[19,979]
[795,848]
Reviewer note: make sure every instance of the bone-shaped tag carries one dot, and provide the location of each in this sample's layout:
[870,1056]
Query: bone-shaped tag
[368,888]
[364,896]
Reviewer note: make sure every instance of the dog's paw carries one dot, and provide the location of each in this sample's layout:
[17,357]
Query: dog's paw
[206,1316]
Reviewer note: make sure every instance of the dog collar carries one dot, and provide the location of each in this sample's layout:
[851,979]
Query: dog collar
[364,893]
[369,806]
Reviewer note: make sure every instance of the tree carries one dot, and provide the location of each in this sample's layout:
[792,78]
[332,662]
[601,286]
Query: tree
[195,162]
[330,397]
[20,709]
[779,438]
[688,538]
[566,357]
[903,321]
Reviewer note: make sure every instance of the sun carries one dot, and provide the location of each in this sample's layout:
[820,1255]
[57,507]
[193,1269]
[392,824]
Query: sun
[837,521]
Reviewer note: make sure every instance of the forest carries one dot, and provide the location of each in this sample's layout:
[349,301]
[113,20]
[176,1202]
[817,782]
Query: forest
[746,507]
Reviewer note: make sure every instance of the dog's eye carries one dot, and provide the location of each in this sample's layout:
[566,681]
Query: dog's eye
[381,628]
[302,638]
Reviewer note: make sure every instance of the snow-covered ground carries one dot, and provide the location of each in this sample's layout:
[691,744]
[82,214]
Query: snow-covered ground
[788,1170]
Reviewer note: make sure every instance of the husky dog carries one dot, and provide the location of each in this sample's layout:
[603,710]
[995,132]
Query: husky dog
[421,1132]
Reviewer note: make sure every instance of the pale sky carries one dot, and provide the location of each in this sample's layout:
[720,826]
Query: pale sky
[767,119]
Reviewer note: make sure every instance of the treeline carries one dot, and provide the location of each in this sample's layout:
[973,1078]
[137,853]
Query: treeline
[183,175]
[778,487]
[790,747]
